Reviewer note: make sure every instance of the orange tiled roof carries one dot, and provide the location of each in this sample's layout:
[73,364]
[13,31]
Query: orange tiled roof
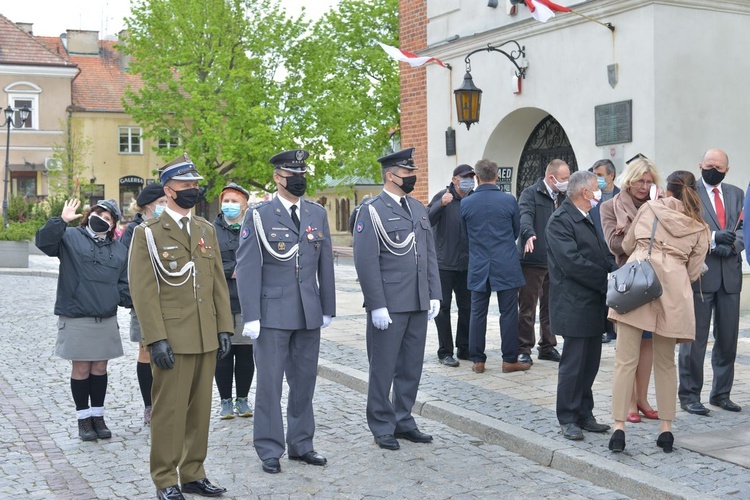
[18,47]
[102,83]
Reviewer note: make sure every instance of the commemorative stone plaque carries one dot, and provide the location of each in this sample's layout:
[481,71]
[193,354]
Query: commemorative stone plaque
[613,123]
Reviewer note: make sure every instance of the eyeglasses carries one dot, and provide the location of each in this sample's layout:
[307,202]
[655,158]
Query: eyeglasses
[642,182]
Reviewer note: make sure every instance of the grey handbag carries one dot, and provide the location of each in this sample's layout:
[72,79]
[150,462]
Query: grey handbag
[634,284]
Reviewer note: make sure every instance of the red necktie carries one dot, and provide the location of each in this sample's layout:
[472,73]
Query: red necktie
[719,209]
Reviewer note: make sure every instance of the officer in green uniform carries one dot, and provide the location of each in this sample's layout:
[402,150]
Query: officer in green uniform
[180,295]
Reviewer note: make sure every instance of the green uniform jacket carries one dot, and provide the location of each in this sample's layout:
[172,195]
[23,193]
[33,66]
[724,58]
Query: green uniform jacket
[190,315]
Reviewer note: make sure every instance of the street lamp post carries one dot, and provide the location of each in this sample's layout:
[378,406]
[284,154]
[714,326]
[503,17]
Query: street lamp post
[9,115]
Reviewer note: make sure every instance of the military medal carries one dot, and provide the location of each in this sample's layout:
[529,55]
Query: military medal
[310,236]
[173,265]
[203,249]
[320,234]
[165,254]
[281,246]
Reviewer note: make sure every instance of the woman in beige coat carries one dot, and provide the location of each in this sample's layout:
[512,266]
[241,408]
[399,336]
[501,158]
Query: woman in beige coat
[617,216]
[680,247]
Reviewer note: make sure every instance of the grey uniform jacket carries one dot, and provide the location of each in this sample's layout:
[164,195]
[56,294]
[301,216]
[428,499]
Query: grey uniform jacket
[400,283]
[292,294]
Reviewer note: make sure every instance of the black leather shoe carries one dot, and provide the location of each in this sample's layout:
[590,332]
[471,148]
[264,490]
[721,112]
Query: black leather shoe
[665,441]
[415,436]
[696,408]
[725,404]
[605,339]
[551,355]
[617,441]
[387,442]
[449,361]
[525,359]
[590,424]
[203,487]
[271,465]
[171,493]
[572,432]
[311,457]
[101,429]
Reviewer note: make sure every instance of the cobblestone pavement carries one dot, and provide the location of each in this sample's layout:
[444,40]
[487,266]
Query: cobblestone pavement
[480,422]
[42,456]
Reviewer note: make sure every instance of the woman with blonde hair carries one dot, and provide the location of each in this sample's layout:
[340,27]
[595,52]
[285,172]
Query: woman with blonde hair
[617,215]
[680,244]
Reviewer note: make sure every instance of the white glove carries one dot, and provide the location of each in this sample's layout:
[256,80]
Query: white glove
[326,321]
[434,309]
[252,329]
[380,318]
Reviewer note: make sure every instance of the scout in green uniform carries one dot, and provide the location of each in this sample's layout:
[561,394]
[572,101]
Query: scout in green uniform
[182,301]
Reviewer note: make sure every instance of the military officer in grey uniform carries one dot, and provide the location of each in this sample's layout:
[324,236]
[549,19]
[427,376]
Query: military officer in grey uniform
[182,301]
[287,294]
[394,254]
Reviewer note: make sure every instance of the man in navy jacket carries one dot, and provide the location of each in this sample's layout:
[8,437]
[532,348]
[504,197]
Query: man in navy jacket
[492,222]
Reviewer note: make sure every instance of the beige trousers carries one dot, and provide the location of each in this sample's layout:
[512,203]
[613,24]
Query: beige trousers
[626,360]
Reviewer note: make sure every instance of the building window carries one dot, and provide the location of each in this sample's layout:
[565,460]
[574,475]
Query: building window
[23,184]
[169,139]
[131,141]
[95,193]
[29,101]
[342,215]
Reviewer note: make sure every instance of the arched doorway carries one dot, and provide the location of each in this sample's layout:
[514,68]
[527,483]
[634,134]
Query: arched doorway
[546,142]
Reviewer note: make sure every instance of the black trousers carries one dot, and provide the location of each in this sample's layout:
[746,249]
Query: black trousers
[579,364]
[453,282]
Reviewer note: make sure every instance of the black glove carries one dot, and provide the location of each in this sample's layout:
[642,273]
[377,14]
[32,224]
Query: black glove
[722,250]
[725,237]
[225,345]
[162,355]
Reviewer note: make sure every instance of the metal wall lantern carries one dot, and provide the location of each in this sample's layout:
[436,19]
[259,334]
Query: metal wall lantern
[469,97]
[10,113]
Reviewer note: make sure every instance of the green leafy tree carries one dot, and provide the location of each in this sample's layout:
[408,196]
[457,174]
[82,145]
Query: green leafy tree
[70,157]
[209,74]
[347,101]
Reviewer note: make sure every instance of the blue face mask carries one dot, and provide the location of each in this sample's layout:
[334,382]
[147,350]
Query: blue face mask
[602,182]
[231,210]
[158,210]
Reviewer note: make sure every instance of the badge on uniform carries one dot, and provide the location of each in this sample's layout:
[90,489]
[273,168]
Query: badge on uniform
[310,236]
[245,233]
[281,246]
[360,226]
[173,265]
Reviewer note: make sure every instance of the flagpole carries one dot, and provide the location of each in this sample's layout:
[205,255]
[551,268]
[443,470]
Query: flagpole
[609,26]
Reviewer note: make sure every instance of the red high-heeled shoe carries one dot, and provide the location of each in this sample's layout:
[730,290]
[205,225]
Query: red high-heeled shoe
[652,414]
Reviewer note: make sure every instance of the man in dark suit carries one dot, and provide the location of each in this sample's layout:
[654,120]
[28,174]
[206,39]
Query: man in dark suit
[578,262]
[492,223]
[605,172]
[286,287]
[537,202]
[717,292]
[182,301]
[394,254]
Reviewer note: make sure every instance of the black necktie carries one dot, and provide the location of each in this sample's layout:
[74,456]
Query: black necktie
[295,219]
[405,205]
[185,221]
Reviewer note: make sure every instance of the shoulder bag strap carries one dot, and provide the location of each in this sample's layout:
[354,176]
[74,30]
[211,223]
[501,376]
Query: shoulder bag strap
[653,232]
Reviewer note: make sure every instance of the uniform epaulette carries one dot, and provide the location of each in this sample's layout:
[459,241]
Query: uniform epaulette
[313,203]
[149,222]
[258,204]
[198,218]
[369,200]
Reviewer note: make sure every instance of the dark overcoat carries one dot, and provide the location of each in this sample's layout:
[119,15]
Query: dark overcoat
[578,262]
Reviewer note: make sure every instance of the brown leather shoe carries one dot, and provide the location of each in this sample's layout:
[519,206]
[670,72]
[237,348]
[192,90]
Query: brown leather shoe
[478,368]
[515,367]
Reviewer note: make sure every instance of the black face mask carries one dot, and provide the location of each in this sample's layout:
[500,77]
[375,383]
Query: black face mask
[296,185]
[187,198]
[98,224]
[712,176]
[407,183]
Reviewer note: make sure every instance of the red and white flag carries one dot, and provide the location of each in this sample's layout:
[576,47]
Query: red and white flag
[544,10]
[409,57]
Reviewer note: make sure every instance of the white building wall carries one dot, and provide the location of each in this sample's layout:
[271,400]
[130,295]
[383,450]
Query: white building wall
[683,64]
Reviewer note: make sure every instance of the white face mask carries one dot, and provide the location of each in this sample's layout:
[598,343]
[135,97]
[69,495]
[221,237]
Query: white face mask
[561,186]
[597,194]
[466,184]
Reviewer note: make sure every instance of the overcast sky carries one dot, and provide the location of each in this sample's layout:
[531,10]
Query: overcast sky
[52,17]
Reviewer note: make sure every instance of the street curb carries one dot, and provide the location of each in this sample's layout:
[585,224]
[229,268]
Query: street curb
[544,451]
[28,272]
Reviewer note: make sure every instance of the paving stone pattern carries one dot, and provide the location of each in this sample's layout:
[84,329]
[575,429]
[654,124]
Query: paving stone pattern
[42,457]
